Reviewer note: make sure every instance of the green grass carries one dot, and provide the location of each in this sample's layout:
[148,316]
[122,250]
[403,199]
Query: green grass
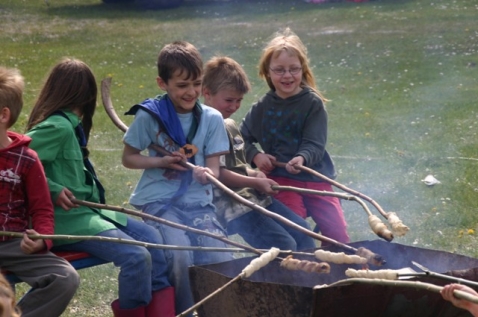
[401,76]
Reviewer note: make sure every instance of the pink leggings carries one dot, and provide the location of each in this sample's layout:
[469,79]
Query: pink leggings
[326,211]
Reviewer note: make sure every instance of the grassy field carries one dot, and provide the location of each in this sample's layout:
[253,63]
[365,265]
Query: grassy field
[401,76]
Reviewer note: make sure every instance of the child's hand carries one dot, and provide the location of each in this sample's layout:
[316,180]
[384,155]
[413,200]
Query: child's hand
[30,246]
[296,161]
[173,161]
[264,162]
[64,199]
[199,174]
[447,294]
[259,174]
[264,186]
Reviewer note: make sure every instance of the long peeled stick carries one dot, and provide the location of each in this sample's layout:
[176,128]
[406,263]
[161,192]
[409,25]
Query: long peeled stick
[108,105]
[164,221]
[413,284]
[389,274]
[377,226]
[398,227]
[336,184]
[255,265]
[119,240]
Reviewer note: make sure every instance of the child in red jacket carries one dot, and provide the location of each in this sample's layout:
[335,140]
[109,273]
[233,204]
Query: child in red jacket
[23,200]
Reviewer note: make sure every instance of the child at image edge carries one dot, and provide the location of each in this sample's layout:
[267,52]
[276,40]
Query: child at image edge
[177,122]
[447,294]
[59,125]
[24,198]
[224,85]
[8,308]
[290,125]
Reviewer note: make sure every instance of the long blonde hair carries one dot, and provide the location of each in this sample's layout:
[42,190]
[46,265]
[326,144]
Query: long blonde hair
[289,42]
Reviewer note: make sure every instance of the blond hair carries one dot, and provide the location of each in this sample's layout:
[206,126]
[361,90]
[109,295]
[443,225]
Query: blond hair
[6,291]
[222,72]
[11,92]
[287,41]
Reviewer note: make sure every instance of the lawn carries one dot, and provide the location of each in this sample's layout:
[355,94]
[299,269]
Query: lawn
[401,75]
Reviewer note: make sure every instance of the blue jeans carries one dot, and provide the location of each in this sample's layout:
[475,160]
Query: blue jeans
[263,232]
[199,217]
[142,271]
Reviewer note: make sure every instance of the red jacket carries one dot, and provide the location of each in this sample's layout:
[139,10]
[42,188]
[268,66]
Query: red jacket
[24,193]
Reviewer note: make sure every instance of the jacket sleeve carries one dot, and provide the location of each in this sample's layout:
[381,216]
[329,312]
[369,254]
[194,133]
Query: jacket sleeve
[314,135]
[46,140]
[39,208]
[247,130]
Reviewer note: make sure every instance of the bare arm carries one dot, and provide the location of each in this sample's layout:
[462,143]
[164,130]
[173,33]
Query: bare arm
[213,164]
[447,293]
[212,167]
[233,179]
[132,158]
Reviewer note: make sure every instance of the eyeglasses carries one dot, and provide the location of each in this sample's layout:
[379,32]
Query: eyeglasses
[282,71]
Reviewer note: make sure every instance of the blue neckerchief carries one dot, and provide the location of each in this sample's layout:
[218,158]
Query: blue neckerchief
[80,135]
[162,109]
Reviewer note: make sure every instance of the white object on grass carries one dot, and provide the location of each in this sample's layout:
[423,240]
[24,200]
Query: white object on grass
[430,180]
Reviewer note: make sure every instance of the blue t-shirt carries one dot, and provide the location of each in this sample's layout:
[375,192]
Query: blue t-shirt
[159,184]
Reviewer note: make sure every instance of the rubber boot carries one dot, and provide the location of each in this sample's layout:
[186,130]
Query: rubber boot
[162,304]
[134,312]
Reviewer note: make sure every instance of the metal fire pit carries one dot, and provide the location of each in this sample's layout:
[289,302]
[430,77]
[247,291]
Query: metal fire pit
[274,291]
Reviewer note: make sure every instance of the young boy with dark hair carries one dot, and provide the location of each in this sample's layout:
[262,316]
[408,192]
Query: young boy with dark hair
[24,199]
[177,122]
[224,85]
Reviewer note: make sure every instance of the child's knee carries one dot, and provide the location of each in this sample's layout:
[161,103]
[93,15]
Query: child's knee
[67,280]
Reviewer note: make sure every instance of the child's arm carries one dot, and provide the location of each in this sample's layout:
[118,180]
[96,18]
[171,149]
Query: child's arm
[296,161]
[248,130]
[46,141]
[233,179]
[212,167]
[314,135]
[64,199]
[132,158]
[264,162]
[40,208]
[30,246]
[447,293]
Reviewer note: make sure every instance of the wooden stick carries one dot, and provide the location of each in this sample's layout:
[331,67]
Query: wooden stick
[377,226]
[205,299]
[336,184]
[108,105]
[397,226]
[164,221]
[413,284]
[123,241]
[324,193]
[255,265]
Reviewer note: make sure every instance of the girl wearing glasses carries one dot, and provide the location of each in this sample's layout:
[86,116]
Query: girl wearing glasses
[289,124]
